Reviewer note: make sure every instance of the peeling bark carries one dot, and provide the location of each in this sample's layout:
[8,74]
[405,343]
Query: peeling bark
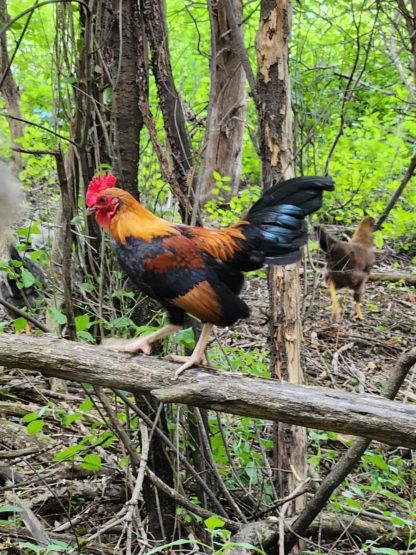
[276,146]
[276,140]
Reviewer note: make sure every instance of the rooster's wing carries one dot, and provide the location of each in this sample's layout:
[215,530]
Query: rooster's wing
[177,272]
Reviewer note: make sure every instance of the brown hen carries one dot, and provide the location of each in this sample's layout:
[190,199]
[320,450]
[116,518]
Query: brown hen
[349,263]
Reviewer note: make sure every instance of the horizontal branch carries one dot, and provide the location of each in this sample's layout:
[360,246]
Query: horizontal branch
[409,279]
[316,407]
[328,525]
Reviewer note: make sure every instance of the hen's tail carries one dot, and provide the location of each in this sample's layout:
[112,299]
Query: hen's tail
[280,213]
[10,196]
[326,240]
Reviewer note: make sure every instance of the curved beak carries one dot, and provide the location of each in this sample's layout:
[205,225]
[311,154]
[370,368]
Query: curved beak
[90,211]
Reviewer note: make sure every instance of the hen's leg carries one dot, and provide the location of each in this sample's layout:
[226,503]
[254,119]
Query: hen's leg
[357,298]
[336,309]
[197,356]
[142,344]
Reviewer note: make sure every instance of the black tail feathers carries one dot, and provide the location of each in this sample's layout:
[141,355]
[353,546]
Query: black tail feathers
[303,192]
[280,213]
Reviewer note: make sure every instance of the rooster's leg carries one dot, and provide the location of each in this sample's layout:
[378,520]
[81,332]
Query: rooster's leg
[142,344]
[197,356]
[336,309]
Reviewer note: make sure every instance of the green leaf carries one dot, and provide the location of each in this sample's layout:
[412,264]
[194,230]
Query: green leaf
[10,509]
[385,550]
[397,521]
[163,548]
[82,322]
[87,287]
[377,460]
[86,336]
[314,460]
[71,418]
[216,175]
[20,324]
[122,322]
[4,522]
[68,454]
[29,417]
[87,404]
[35,427]
[120,293]
[352,503]
[92,462]
[57,316]
[76,220]
[27,277]
[252,472]
[186,338]
[57,545]
[213,522]
[124,461]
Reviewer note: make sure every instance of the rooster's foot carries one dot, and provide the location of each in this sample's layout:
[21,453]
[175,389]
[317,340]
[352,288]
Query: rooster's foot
[178,358]
[193,360]
[137,345]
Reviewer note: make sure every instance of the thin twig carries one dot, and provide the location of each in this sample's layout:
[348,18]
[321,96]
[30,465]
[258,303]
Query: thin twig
[214,468]
[25,315]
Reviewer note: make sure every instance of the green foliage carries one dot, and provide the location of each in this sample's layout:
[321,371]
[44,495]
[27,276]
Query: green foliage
[213,523]
[374,150]
[58,316]
[92,462]
[186,338]
[35,421]
[10,509]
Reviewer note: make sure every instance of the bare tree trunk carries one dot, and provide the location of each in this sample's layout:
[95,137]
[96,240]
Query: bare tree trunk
[222,148]
[10,92]
[71,172]
[126,119]
[154,15]
[284,286]
[120,33]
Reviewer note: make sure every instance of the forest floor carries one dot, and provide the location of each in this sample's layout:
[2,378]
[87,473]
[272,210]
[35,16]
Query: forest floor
[351,354]
[48,499]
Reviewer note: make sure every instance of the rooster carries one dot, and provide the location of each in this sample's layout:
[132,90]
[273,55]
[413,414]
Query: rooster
[198,270]
[349,263]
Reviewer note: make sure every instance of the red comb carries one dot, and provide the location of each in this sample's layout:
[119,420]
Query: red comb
[97,184]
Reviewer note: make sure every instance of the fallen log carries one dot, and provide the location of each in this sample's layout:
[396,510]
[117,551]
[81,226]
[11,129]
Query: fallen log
[264,533]
[242,394]
[408,279]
